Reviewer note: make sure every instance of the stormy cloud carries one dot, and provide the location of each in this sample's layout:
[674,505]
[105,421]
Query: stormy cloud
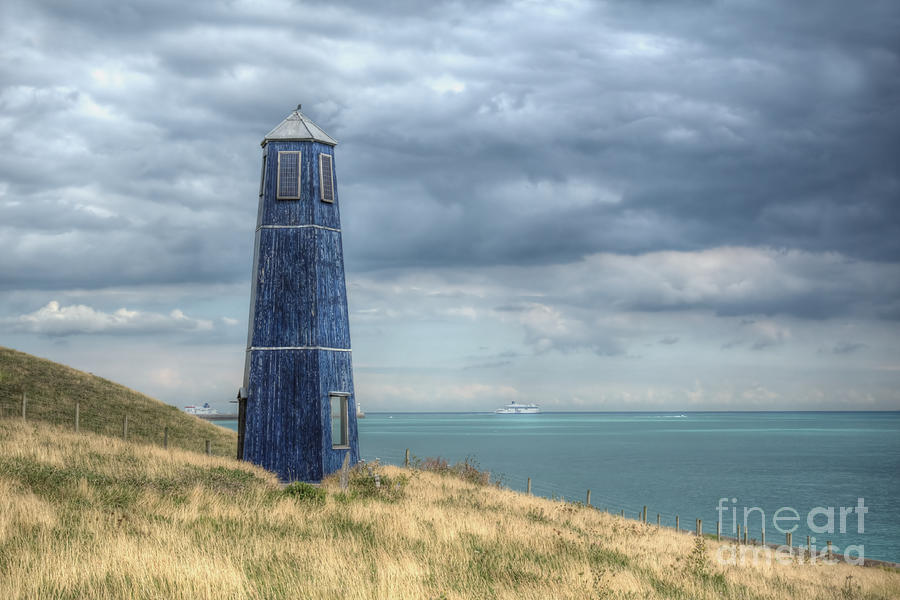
[579,183]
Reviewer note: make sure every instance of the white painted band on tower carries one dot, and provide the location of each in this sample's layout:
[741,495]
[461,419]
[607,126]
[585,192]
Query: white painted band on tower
[297,227]
[299,348]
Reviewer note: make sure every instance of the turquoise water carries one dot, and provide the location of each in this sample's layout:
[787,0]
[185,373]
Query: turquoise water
[680,464]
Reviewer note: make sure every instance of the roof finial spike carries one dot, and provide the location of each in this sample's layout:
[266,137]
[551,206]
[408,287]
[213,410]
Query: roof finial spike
[298,106]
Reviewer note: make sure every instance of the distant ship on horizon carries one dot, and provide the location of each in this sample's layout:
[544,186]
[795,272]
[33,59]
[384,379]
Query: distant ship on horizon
[519,409]
[201,411]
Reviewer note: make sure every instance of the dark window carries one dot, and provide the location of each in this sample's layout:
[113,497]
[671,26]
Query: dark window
[340,433]
[326,178]
[288,175]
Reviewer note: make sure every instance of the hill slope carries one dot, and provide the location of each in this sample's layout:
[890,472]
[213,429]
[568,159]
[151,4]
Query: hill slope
[53,389]
[85,516]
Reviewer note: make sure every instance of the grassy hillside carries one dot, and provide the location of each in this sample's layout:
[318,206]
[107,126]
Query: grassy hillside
[53,389]
[85,516]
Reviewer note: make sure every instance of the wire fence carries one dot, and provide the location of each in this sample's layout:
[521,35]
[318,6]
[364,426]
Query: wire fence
[545,488]
[127,426]
[553,490]
[604,501]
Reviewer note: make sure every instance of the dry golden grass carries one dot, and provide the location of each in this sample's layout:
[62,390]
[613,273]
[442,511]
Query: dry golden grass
[86,516]
[53,390]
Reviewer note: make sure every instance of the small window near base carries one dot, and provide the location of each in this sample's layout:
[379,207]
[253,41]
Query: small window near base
[326,178]
[340,426]
[288,185]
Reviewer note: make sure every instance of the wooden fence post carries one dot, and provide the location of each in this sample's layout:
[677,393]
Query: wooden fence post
[623,513]
[763,534]
[677,526]
[125,427]
[718,531]
[739,534]
[829,549]
[207,447]
[644,515]
[166,438]
[528,486]
[700,527]
[24,402]
[787,539]
[657,520]
[77,415]
[406,460]
[345,472]
[746,534]
[588,499]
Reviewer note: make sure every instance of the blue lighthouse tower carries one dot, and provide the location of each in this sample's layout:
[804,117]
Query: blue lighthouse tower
[297,411]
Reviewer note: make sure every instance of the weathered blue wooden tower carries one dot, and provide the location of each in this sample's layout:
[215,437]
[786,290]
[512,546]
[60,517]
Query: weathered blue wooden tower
[297,411]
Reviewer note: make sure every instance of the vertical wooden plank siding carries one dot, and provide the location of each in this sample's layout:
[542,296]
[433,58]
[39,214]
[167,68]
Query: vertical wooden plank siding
[299,334]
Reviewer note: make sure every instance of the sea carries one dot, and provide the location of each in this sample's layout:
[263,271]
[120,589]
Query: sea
[827,475]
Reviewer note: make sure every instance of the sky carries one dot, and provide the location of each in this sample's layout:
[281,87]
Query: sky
[678,205]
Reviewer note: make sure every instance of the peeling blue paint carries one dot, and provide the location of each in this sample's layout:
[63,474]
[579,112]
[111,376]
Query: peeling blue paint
[299,336]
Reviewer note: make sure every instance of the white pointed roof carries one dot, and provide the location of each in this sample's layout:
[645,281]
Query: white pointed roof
[297,127]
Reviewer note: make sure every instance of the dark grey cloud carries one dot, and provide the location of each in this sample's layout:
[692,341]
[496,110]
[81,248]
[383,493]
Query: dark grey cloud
[846,347]
[663,303]
[471,134]
[590,168]
[727,281]
[777,133]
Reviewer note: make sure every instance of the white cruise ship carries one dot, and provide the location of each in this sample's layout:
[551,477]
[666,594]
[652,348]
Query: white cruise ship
[201,411]
[519,409]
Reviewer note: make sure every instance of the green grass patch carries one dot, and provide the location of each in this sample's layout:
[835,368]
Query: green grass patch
[600,556]
[304,492]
